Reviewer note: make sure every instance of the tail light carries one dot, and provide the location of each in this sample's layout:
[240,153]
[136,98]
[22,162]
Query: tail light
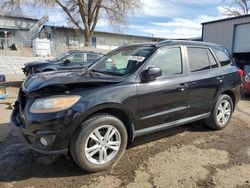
[241,72]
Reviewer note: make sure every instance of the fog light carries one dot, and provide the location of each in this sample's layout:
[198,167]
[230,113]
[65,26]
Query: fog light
[43,141]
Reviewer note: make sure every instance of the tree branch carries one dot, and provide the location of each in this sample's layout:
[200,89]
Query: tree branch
[66,10]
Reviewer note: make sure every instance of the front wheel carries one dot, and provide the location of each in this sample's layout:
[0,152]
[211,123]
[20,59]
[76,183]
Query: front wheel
[100,143]
[221,114]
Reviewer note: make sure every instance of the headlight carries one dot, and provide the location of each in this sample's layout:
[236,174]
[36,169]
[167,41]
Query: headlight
[247,79]
[53,103]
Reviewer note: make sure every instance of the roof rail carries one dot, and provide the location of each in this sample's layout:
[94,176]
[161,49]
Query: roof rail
[163,42]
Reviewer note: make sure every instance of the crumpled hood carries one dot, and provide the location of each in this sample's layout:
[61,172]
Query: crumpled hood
[42,80]
[33,63]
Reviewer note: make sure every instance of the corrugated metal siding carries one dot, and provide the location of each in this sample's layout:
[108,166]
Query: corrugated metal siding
[222,32]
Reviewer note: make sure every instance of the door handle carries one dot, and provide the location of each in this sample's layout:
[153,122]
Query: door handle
[219,77]
[183,86]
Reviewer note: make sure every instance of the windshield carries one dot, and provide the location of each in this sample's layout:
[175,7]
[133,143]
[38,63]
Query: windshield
[60,56]
[122,61]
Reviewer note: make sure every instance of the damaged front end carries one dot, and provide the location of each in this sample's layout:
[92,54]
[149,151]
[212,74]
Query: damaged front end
[49,108]
[44,133]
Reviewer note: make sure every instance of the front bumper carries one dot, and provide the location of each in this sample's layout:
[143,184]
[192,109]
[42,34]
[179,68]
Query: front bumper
[35,146]
[56,131]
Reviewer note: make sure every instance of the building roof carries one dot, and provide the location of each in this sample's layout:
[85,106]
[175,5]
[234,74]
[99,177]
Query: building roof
[226,19]
[104,32]
[16,15]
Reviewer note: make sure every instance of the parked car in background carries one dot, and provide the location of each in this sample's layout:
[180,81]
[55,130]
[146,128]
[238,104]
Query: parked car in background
[3,93]
[74,59]
[132,91]
[245,88]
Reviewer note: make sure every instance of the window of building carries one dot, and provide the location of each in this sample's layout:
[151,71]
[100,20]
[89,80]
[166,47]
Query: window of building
[198,59]
[94,42]
[169,60]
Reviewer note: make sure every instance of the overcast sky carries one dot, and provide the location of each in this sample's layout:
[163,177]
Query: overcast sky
[158,18]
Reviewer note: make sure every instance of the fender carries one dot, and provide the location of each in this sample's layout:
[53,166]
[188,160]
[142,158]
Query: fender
[111,106]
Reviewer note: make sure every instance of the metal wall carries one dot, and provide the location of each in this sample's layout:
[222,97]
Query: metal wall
[223,32]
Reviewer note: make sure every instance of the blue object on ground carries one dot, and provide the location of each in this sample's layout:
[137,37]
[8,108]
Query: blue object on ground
[3,96]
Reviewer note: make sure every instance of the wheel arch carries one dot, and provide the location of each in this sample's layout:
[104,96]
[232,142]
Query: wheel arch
[232,95]
[117,111]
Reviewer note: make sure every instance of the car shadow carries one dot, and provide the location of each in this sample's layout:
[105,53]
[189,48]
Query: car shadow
[17,162]
[245,97]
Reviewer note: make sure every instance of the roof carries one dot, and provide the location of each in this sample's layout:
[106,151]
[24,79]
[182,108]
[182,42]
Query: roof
[82,51]
[13,15]
[103,32]
[226,19]
[186,42]
[173,42]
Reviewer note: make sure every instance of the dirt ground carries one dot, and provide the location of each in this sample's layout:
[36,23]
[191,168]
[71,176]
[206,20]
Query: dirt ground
[188,156]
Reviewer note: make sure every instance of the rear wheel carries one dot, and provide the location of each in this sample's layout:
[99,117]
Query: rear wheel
[100,143]
[221,114]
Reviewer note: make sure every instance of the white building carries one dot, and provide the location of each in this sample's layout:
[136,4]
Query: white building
[21,30]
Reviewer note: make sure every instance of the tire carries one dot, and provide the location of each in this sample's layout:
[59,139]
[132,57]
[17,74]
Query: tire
[221,114]
[114,146]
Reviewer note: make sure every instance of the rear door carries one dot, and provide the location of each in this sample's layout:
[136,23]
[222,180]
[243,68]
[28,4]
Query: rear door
[206,79]
[165,99]
[91,58]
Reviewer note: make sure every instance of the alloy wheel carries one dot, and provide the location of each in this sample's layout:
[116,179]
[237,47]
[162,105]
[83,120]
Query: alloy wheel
[224,112]
[102,144]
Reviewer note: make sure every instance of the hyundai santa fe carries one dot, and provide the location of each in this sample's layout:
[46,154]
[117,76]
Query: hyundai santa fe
[134,90]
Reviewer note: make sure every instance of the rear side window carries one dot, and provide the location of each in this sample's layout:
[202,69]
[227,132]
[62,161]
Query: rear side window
[198,59]
[92,57]
[223,57]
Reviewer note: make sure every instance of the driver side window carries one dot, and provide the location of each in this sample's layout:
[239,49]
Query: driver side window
[169,60]
[76,57]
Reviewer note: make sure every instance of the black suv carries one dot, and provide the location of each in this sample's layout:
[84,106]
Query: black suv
[73,59]
[131,91]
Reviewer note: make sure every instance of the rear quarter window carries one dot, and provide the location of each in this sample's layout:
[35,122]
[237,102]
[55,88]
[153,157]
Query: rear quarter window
[223,57]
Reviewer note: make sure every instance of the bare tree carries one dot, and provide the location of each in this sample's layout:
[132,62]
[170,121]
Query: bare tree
[84,14]
[238,8]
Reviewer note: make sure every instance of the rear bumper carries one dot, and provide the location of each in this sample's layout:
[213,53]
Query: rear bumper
[245,88]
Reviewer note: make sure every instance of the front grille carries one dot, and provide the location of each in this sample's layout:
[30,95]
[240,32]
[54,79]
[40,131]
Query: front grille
[22,100]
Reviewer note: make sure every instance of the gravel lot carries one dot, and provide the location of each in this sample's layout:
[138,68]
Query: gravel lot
[188,156]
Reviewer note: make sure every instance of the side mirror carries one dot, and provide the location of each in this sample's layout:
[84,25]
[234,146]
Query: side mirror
[151,73]
[67,61]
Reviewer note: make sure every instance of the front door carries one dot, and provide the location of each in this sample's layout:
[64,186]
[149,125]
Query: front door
[165,99]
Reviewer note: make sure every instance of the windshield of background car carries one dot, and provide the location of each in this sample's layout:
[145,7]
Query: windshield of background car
[60,56]
[247,69]
[122,61]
